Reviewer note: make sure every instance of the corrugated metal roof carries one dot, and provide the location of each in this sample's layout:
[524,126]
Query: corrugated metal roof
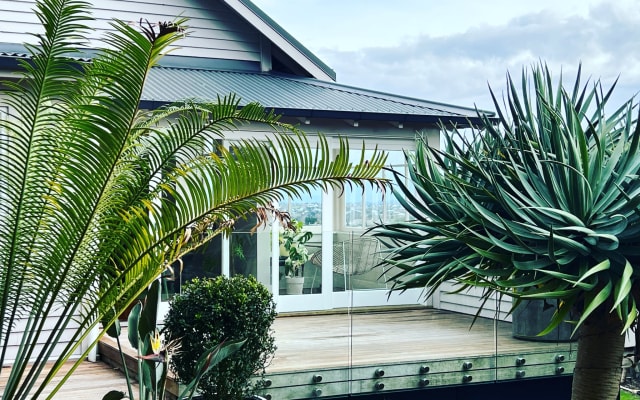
[13,54]
[292,95]
[22,53]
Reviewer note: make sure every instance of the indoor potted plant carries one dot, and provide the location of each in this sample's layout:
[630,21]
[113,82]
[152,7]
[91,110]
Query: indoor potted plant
[292,241]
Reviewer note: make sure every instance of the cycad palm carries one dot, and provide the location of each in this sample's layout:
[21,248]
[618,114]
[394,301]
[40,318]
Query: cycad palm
[96,194]
[541,205]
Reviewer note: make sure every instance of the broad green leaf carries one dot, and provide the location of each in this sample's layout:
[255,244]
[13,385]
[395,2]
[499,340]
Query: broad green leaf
[133,325]
[207,361]
[114,395]
[594,303]
[558,317]
[622,288]
[114,329]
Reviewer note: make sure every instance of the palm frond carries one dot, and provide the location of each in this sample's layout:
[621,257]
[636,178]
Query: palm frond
[100,195]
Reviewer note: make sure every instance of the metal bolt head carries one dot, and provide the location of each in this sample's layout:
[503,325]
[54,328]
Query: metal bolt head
[560,358]
[559,370]
[467,379]
[267,382]
[317,378]
[379,373]
[467,365]
[424,369]
[317,392]
[379,386]
[424,382]
[520,374]
[520,361]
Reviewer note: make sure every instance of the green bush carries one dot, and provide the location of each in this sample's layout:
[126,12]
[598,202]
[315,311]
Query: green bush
[209,311]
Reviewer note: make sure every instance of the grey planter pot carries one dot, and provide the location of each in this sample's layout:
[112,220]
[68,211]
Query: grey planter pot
[532,317]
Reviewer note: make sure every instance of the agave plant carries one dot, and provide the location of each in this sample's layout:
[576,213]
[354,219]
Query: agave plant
[540,204]
[97,195]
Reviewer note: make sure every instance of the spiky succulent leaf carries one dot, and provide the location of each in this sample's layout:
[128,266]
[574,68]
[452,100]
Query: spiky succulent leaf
[540,204]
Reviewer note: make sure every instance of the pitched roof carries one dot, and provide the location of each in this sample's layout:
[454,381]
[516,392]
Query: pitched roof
[281,38]
[297,96]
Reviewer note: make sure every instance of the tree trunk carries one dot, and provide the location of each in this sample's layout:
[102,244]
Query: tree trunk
[598,364]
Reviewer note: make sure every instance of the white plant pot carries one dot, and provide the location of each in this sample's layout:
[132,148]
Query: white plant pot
[294,284]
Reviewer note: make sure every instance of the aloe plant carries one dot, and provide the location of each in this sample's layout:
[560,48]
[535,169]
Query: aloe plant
[539,203]
[98,197]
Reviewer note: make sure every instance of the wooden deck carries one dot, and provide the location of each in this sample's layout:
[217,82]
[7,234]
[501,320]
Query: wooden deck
[360,339]
[365,352]
[333,355]
[92,380]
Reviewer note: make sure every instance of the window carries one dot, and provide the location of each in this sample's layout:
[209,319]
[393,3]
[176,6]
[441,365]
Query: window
[307,209]
[363,209]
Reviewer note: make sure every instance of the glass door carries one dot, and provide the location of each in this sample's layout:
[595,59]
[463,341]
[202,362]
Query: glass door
[302,283]
[342,270]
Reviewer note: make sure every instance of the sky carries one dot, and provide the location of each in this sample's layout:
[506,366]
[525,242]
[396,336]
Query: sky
[452,51]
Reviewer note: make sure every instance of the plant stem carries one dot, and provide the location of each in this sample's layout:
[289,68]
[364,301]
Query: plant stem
[124,365]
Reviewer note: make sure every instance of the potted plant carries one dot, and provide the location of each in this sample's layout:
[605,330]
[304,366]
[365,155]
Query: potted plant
[292,241]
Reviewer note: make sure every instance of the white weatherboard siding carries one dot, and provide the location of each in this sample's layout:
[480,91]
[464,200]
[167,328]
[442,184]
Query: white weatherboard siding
[468,302]
[48,329]
[49,325]
[215,31]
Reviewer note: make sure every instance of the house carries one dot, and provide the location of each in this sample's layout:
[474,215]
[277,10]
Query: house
[234,47]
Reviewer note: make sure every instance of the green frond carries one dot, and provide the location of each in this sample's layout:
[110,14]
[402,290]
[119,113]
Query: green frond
[99,194]
[543,204]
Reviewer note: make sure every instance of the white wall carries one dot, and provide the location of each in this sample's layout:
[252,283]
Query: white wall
[469,301]
[215,30]
[19,330]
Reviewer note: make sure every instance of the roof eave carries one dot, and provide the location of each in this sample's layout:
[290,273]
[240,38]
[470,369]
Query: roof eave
[449,121]
[281,38]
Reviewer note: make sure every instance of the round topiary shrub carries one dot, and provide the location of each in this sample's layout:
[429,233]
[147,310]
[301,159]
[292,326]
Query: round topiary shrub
[209,311]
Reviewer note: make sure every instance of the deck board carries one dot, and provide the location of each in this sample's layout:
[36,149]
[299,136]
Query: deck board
[92,380]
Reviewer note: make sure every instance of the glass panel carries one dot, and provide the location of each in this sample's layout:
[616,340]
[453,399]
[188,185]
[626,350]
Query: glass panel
[429,344]
[307,209]
[250,252]
[364,209]
[355,263]
[243,249]
[313,356]
[536,356]
[308,278]
[204,262]
[302,274]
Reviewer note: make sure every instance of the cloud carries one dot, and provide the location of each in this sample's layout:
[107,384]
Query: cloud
[457,68]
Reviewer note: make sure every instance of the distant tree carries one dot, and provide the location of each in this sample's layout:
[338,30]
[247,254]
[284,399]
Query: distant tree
[97,196]
[542,205]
